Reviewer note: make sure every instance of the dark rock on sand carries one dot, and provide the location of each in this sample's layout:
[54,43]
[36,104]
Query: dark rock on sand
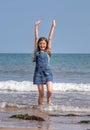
[84,121]
[27,117]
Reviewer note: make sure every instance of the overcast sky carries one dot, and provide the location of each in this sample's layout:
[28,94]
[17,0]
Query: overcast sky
[71,35]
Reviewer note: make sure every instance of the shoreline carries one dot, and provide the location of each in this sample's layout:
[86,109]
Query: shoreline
[50,123]
[55,115]
[19,128]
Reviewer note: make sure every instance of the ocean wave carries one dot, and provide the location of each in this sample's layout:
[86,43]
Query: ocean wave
[13,105]
[27,86]
[47,108]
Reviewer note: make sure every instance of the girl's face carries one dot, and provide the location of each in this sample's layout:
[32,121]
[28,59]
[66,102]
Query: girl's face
[42,45]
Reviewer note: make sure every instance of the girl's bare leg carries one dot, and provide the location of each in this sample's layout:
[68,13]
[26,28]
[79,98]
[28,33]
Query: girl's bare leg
[49,91]
[41,94]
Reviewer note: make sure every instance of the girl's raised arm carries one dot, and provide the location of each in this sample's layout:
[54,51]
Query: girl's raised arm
[36,34]
[51,34]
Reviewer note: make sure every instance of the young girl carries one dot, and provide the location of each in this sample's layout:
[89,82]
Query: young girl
[42,53]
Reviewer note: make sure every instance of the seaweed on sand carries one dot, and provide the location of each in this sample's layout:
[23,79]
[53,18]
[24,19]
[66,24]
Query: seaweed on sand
[84,121]
[27,117]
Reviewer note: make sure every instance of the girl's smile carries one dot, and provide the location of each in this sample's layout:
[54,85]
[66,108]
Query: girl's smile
[42,45]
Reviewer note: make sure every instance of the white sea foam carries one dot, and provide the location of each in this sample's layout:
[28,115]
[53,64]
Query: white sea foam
[64,108]
[26,86]
[47,108]
[12,105]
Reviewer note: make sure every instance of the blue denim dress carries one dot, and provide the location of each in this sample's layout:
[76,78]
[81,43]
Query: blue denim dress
[42,73]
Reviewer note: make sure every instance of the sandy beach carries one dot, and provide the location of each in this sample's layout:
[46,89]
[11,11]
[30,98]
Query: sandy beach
[52,122]
[33,129]
[55,116]
[19,129]
[62,127]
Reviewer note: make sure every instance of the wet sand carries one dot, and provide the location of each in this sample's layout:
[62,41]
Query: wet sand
[62,127]
[19,129]
[50,123]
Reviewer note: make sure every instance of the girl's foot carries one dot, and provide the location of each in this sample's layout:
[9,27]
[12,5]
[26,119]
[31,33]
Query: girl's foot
[49,102]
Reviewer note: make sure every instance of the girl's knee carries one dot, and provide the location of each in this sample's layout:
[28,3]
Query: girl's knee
[49,92]
[41,95]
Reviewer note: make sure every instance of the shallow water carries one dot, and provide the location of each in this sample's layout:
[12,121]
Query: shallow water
[62,101]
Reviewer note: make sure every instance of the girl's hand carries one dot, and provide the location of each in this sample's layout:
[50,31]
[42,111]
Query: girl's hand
[37,22]
[54,23]
[34,59]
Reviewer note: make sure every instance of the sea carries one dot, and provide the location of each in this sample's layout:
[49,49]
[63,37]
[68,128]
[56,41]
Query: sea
[71,85]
